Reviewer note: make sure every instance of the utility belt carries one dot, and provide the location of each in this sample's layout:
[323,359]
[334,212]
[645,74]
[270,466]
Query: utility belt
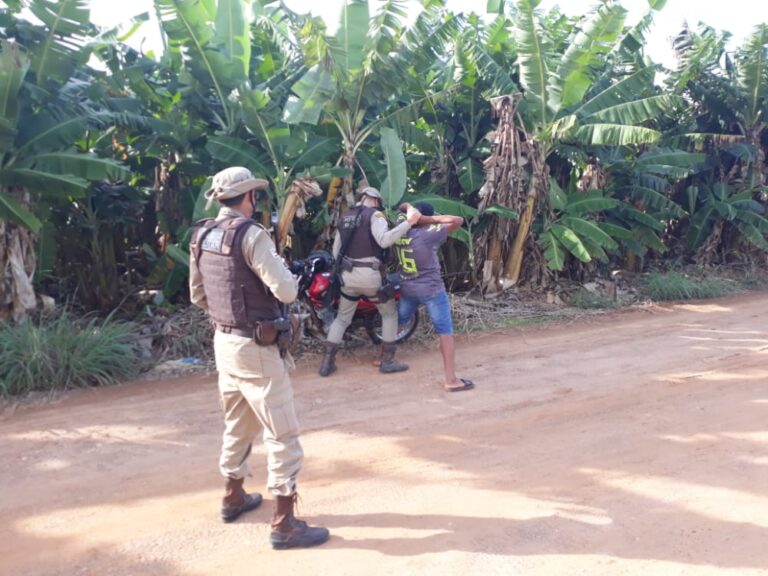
[348,264]
[280,331]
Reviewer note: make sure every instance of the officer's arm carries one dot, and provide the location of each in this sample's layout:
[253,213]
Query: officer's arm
[262,258]
[336,245]
[196,290]
[382,234]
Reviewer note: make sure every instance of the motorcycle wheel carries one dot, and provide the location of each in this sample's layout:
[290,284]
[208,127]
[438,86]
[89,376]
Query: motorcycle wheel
[311,325]
[374,332]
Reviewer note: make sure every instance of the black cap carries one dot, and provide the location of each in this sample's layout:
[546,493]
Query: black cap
[425,208]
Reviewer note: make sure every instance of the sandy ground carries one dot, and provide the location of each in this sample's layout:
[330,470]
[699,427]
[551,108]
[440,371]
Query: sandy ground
[634,443]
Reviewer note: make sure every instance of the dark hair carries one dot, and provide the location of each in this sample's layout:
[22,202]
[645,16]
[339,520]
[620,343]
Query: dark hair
[425,208]
[232,202]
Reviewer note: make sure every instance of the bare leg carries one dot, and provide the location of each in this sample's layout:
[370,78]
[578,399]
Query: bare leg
[448,350]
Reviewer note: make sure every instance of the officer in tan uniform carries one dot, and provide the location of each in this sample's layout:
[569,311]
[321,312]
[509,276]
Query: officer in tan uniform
[362,235]
[237,276]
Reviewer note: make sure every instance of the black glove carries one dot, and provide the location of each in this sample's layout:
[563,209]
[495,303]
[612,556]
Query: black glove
[296,267]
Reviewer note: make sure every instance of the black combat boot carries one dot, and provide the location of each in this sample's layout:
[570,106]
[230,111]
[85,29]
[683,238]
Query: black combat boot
[290,532]
[388,362]
[236,500]
[328,366]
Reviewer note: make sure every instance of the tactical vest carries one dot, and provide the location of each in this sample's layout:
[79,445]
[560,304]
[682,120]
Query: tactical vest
[355,232]
[236,295]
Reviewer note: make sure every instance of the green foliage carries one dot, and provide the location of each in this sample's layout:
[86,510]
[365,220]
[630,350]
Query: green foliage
[718,202]
[191,32]
[393,186]
[234,30]
[312,91]
[661,286]
[61,353]
[573,76]
[57,50]
[575,229]
[108,165]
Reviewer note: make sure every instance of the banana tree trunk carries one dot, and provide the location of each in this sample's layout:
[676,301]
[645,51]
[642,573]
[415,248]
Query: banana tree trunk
[286,218]
[515,260]
[342,195]
[347,191]
[503,186]
[300,192]
[168,186]
[537,187]
[17,268]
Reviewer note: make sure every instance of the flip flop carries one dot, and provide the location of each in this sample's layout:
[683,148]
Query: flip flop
[466,385]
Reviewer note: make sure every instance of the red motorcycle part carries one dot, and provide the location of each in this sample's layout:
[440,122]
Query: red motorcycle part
[319,286]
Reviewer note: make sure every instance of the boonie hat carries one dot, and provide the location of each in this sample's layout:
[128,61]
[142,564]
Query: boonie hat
[233,182]
[372,192]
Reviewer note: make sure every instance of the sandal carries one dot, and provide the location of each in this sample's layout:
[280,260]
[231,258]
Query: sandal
[466,385]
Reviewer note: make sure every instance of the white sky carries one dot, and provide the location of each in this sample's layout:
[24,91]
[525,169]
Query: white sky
[737,16]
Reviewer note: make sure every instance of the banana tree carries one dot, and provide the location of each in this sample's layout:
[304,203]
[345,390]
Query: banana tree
[729,95]
[43,113]
[358,81]
[573,228]
[236,64]
[647,185]
[567,100]
[715,208]
[238,121]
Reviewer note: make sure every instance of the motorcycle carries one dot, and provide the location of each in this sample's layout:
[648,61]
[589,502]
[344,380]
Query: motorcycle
[318,300]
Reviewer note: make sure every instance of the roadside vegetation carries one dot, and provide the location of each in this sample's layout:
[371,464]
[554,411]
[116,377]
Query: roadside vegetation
[570,155]
[64,352]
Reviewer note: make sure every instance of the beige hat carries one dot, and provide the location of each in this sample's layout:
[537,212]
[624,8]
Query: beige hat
[372,192]
[233,182]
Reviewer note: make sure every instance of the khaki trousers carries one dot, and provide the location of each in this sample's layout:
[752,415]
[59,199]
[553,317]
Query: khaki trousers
[362,282]
[256,393]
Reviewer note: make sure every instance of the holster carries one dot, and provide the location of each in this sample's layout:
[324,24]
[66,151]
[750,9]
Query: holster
[346,265]
[386,292]
[286,333]
[265,333]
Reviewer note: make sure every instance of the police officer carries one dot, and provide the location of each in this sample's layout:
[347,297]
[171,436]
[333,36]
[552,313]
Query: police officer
[362,235]
[237,276]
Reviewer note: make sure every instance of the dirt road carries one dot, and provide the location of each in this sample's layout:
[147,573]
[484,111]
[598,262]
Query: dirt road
[631,444]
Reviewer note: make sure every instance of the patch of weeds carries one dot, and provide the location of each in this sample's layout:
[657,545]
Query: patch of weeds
[753,280]
[676,286]
[588,300]
[504,323]
[61,352]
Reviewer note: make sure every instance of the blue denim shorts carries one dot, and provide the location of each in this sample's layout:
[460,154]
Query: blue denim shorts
[438,307]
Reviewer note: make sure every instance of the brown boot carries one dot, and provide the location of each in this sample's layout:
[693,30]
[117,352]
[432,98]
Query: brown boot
[290,532]
[388,362]
[236,501]
[328,366]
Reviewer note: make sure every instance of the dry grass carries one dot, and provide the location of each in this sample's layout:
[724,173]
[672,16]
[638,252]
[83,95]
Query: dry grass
[184,333]
[507,310]
[188,333]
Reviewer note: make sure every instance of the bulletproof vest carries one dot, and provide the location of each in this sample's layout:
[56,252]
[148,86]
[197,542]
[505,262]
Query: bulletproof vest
[236,295]
[355,231]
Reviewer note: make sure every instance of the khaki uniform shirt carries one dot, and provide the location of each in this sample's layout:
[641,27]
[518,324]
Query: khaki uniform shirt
[261,257]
